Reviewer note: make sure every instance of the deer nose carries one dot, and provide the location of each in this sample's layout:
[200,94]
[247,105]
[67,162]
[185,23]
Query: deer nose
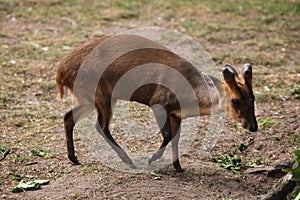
[253,128]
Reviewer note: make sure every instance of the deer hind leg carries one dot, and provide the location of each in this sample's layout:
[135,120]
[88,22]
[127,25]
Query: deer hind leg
[102,126]
[70,120]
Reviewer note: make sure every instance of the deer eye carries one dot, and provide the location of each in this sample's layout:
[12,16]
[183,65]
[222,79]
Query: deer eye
[235,102]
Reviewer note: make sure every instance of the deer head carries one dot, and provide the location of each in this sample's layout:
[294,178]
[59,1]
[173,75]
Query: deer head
[239,97]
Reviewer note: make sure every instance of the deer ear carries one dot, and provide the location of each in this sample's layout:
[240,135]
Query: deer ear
[229,73]
[247,74]
[231,69]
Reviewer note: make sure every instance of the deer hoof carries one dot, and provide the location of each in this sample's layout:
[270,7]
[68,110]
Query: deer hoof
[73,159]
[132,166]
[180,170]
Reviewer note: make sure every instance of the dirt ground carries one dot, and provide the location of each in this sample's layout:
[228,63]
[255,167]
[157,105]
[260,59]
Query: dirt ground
[35,35]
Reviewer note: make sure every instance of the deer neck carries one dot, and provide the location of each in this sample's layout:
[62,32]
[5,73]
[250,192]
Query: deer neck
[217,94]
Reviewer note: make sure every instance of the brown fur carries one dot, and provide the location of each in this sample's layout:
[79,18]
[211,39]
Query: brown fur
[143,51]
[69,65]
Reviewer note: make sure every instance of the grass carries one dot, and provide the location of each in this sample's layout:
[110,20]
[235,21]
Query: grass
[230,162]
[265,122]
[296,173]
[234,160]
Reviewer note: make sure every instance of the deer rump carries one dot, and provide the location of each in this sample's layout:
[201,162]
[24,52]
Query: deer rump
[133,68]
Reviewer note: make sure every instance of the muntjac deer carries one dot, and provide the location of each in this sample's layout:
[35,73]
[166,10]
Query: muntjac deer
[234,95]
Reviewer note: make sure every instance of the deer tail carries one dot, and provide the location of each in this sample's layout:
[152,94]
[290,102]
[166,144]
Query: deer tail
[61,88]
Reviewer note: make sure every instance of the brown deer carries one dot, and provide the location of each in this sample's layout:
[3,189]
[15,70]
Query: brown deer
[108,63]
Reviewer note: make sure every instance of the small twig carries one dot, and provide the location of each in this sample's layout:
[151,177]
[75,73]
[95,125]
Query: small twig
[5,154]
[283,99]
[73,23]
[31,163]
[49,128]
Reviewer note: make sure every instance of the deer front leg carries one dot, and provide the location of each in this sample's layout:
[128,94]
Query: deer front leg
[163,122]
[102,126]
[166,133]
[175,129]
